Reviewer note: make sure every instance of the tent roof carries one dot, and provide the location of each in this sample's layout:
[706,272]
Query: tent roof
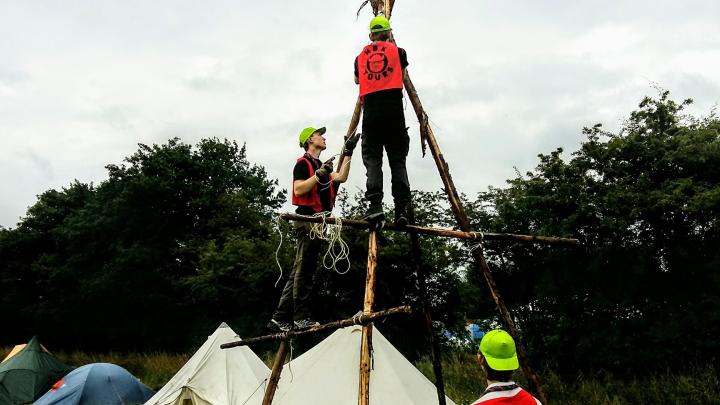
[29,373]
[329,374]
[217,376]
[17,348]
[97,383]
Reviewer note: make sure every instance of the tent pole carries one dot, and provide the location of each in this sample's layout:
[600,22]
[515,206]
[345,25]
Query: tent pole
[275,374]
[366,343]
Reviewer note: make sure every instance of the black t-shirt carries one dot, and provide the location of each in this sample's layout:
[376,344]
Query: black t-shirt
[302,172]
[383,100]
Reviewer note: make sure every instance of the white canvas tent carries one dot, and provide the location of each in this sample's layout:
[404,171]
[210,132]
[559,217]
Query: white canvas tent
[329,374]
[214,376]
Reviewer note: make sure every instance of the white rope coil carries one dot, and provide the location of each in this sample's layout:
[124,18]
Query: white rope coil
[277,251]
[338,249]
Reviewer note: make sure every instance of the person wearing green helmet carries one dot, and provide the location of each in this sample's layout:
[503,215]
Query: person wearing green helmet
[497,356]
[315,185]
[379,72]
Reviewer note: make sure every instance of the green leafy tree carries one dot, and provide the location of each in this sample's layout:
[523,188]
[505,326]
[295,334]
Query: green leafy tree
[178,237]
[643,293]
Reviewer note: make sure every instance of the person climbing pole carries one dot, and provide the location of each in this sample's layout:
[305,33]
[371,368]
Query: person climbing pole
[379,71]
[315,185]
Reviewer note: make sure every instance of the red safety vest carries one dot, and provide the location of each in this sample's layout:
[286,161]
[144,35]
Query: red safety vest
[379,68]
[312,199]
[502,394]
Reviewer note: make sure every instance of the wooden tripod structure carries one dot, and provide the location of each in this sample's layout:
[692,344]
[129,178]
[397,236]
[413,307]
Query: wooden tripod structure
[427,138]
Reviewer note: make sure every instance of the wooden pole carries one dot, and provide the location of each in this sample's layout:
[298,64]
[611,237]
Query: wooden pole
[450,233]
[464,223]
[354,121]
[356,320]
[421,275]
[366,342]
[370,278]
[275,374]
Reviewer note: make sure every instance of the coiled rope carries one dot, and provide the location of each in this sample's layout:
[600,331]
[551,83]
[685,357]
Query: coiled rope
[338,249]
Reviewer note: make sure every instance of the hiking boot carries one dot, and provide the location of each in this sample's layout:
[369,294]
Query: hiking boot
[374,213]
[401,214]
[279,326]
[305,323]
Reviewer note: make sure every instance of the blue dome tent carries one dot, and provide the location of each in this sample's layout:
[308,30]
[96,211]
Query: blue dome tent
[97,384]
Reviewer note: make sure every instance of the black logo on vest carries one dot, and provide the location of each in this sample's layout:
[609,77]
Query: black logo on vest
[376,64]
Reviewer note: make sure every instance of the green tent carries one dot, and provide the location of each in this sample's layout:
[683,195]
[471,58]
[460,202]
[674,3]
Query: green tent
[28,374]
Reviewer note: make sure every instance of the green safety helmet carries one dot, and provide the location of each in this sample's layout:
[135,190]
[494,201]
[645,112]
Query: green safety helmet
[306,133]
[379,24]
[498,348]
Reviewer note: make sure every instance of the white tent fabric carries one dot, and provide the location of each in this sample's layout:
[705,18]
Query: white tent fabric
[329,374]
[214,376]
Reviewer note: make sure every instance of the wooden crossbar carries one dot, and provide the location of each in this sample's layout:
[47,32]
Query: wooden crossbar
[449,233]
[356,320]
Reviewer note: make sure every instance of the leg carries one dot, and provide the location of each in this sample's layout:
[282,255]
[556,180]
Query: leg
[305,274]
[372,154]
[285,308]
[397,146]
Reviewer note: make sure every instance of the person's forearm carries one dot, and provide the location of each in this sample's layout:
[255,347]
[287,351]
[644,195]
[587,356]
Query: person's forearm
[344,172]
[302,187]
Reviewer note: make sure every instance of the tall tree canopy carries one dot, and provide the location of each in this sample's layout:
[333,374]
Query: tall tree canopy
[181,237]
[645,290]
[177,239]
[174,233]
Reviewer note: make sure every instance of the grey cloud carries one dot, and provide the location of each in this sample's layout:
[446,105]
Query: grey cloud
[41,163]
[10,75]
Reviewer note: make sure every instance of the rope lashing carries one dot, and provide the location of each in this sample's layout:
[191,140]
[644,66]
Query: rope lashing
[472,247]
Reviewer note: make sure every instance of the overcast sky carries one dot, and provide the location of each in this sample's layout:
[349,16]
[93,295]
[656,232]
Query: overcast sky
[82,82]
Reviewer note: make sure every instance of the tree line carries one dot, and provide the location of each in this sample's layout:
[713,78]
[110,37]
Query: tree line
[181,237]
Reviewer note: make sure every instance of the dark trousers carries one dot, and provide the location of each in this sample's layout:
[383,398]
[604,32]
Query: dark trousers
[295,298]
[386,131]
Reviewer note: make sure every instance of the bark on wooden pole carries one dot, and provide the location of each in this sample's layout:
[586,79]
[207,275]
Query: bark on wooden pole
[421,275]
[450,233]
[464,223]
[275,374]
[366,341]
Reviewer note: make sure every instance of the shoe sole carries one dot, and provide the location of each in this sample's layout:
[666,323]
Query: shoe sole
[401,222]
[276,328]
[375,217]
[306,327]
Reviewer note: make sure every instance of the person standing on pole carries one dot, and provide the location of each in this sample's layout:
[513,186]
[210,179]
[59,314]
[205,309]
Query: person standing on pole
[379,71]
[498,358]
[314,188]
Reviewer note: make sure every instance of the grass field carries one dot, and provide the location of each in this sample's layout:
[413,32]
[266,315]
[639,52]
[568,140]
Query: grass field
[464,381]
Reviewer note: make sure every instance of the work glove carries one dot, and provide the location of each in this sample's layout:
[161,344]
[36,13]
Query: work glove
[350,144]
[326,168]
